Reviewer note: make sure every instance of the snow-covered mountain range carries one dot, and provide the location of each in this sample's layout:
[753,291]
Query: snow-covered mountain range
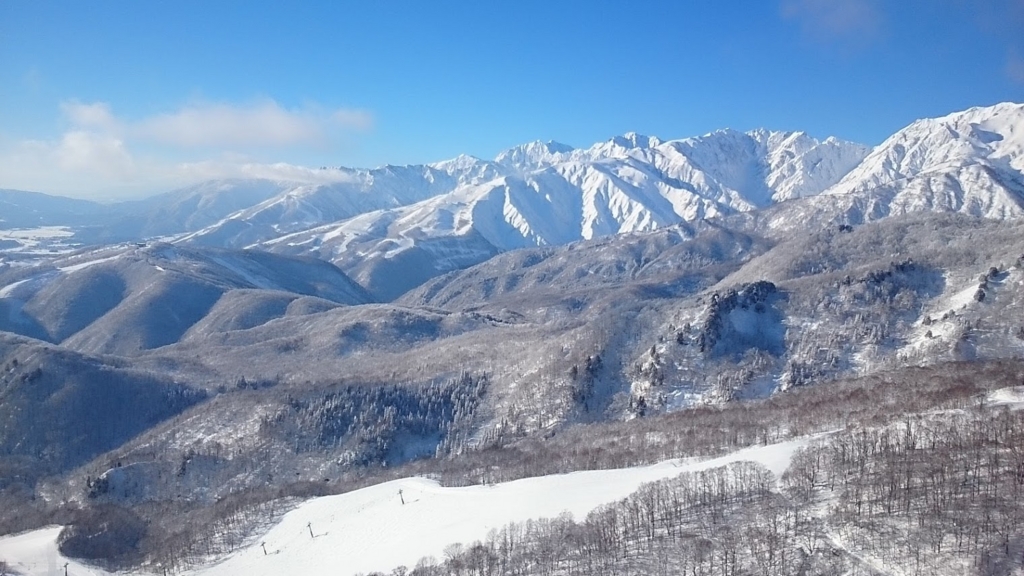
[546,193]
[392,228]
[124,299]
[463,211]
[551,194]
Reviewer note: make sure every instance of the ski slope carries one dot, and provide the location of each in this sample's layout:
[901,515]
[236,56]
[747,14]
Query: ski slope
[372,530]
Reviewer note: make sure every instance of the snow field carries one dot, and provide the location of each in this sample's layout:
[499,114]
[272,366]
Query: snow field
[371,529]
[35,554]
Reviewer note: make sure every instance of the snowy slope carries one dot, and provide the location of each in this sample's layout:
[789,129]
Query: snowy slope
[370,529]
[190,208]
[969,162]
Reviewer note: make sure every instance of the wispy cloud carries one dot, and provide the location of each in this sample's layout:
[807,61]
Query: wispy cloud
[262,124]
[280,171]
[846,22]
[86,152]
[103,155]
[79,163]
[1004,19]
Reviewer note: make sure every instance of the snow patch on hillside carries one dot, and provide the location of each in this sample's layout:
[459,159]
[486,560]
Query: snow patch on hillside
[1012,397]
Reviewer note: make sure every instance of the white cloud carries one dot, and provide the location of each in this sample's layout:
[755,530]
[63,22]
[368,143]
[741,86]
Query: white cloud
[79,161]
[281,171]
[264,124]
[85,166]
[103,155]
[91,153]
[95,116]
[356,119]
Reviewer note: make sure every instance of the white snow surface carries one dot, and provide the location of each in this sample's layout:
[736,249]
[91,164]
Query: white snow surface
[42,241]
[35,554]
[370,529]
[1012,397]
[36,234]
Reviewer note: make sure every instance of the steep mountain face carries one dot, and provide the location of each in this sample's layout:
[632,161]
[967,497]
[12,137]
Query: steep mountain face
[121,300]
[969,162]
[840,301]
[554,195]
[677,260]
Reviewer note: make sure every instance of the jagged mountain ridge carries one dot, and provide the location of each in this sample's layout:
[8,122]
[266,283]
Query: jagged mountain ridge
[394,227]
[353,192]
[967,161]
[550,194]
[284,382]
[691,316]
[656,183]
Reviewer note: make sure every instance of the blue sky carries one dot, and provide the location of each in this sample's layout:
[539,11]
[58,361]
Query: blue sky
[112,99]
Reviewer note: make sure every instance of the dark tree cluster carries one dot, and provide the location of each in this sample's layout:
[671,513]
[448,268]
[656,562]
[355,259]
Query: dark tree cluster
[368,419]
[582,380]
[107,534]
[715,430]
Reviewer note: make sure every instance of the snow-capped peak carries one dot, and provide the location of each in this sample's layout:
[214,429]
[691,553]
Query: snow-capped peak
[533,155]
[627,144]
[991,137]
[635,140]
[460,163]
